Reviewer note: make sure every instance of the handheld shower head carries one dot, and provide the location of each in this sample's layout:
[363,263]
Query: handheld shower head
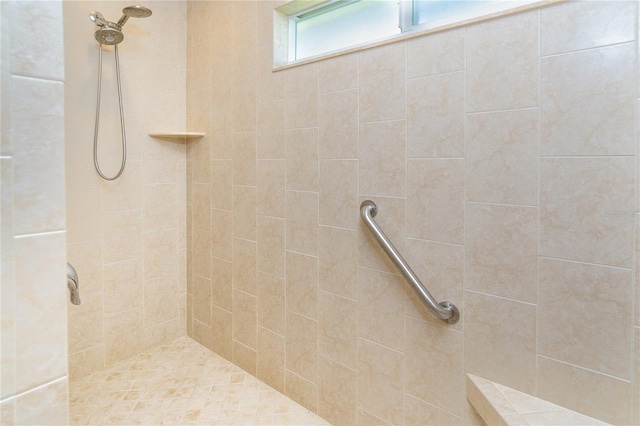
[110,33]
[133,12]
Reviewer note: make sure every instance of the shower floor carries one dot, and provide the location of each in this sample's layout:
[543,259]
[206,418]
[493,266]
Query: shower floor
[182,383]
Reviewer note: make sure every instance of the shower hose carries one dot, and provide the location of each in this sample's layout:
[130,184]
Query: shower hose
[95,133]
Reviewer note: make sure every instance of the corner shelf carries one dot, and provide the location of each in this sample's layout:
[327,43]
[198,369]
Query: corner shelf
[177,135]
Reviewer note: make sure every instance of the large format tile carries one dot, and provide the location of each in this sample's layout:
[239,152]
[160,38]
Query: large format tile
[585,206]
[587,104]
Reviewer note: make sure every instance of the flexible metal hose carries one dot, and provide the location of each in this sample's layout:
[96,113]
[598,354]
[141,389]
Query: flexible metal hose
[95,133]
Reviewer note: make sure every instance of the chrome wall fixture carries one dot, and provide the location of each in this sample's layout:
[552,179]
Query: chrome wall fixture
[73,284]
[446,311]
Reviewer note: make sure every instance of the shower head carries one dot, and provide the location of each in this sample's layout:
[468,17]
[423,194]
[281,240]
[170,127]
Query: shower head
[110,33]
[133,12]
[109,36]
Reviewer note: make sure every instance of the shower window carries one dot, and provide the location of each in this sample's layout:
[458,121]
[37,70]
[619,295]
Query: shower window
[306,29]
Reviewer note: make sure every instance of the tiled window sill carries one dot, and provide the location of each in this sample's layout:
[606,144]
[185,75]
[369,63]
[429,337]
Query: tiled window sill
[500,405]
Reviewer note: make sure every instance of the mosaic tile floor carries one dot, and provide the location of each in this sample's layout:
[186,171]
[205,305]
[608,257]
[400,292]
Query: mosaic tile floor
[182,383]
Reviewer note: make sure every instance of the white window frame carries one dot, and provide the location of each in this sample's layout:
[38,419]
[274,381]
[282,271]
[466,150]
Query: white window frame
[286,16]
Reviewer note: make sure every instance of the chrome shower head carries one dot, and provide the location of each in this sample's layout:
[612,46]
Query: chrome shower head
[133,12]
[109,36]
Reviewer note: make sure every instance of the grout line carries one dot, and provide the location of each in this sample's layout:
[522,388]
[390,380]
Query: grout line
[39,234]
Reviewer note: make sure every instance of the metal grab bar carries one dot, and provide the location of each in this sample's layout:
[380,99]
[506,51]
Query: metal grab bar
[445,311]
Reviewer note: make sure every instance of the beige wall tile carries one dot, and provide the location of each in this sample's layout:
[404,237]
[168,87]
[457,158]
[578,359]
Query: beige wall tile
[86,258]
[222,332]
[435,115]
[222,284]
[302,284]
[339,193]
[302,159]
[126,192]
[244,357]
[41,351]
[417,412]
[302,222]
[382,83]
[222,236]
[434,365]
[202,299]
[435,198]
[8,328]
[123,240]
[123,335]
[338,261]
[635,396]
[161,255]
[8,412]
[271,358]
[391,218]
[501,151]
[380,381]
[244,212]
[501,250]
[301,96]
[86,362]
[339,73]
[338,123]
[245,318]
[381,300]
[271,303]
[44,405]
[582,209]
[363,417]
[271,187]
[244,265]
[301,390]
[33,54]
[243,105]
[271,129]
[38,154]
[436,54]
[161,334]
[221,184]
[582,25]
[203,334]
[336,393]
[85,327]
[83,207]
[160,302]
[244,158]
[382,155]
[271,245]
[571,302]
[440,268]
[596,395]
[586,105]
[302,347]
[500,340]
[338,329]
[501,59]
[202,206]
[270,85]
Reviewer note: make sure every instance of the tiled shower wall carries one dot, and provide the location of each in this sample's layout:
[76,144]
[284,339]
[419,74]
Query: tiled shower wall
[33,299]
[126,238]
[502,157]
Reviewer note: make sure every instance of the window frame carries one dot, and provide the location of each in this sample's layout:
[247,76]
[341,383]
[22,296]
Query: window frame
[286,16]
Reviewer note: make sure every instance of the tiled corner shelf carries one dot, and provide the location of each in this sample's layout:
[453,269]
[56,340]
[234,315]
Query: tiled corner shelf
[177,135]
[500,405]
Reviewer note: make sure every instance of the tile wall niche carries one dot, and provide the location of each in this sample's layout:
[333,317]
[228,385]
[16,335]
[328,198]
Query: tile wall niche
[126,238]
[502,157]
[34,377]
